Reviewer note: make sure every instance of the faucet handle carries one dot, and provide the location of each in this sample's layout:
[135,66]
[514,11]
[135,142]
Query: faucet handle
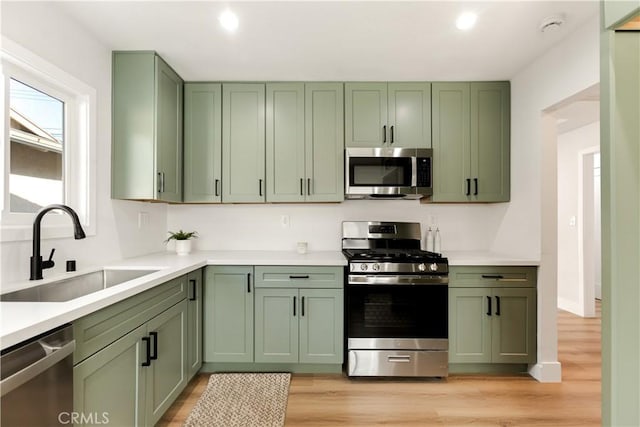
[49,263]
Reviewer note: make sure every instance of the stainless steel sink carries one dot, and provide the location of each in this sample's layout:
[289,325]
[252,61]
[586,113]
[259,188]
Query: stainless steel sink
[75,287]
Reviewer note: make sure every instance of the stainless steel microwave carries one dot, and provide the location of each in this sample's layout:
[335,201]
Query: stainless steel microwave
[388,173]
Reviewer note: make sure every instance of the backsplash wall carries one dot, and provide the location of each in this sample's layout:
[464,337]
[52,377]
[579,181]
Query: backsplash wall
[259,227]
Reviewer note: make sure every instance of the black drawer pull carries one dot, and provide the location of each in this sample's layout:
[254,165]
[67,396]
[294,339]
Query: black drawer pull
[193,289]
[489,307]
[497,306]
[299,277]
[147,341]
[492,276]
[154,356]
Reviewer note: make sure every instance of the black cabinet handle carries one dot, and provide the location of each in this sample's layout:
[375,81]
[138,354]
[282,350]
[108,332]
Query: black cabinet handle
[497,306]
[147,341]
[475,182]
[392,134]
[468,187]
[309,186]
[159,182]
[154,356]
[302,311]
[217,187]
[193,289]
[492,276]
[260,187]
[489,307]
[302,186]
[299,277]
[384,134]
[294,306]
[249,283]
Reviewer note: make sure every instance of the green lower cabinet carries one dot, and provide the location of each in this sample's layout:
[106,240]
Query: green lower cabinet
[228,314]
[492,325]
[194,322]
[167,374]
[276,325]
[298,325]
[111,383]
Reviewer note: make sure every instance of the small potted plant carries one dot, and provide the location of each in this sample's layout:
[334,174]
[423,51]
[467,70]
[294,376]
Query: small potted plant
[183,240]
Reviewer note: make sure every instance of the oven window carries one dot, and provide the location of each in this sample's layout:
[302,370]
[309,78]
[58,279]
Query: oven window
[397,311]
[380,171]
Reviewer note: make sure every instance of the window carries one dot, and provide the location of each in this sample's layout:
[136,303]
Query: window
[48,152]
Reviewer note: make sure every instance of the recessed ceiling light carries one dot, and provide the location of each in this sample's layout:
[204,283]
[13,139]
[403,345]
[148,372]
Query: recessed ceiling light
[228,20]
[466,21]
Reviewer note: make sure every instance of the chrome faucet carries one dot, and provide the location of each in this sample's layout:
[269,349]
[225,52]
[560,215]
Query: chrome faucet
[37,265]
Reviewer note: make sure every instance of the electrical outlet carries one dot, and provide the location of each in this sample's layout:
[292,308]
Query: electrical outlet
[284,221]
[572,221]
[143,219]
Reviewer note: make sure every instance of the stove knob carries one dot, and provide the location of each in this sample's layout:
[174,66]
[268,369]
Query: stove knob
[375,267]
[363,267]
[433,267]
[422,267]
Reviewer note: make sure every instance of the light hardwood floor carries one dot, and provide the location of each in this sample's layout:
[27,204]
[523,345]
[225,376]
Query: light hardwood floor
[332,400]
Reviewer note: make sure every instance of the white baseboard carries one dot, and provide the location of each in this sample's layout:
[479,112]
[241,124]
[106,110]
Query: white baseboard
[570,306]
[546,372]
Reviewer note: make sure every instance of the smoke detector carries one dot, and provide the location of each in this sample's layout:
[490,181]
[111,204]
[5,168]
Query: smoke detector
[551,23]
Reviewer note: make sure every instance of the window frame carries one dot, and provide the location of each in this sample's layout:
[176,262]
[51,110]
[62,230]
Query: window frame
[79,166]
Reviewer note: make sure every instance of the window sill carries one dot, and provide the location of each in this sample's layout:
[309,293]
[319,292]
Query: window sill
[22,233]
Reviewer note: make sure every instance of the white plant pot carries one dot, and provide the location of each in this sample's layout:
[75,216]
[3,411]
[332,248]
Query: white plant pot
[183,247]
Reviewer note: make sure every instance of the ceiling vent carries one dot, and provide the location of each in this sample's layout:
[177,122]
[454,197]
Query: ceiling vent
[552,23]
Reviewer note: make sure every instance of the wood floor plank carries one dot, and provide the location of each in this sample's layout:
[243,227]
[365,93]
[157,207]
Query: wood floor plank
[460,400]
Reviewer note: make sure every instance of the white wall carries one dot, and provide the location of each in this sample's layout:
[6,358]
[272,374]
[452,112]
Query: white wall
[529,224]
[46,31]
[570,146]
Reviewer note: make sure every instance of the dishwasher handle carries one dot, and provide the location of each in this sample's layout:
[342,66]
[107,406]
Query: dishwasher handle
[54,354]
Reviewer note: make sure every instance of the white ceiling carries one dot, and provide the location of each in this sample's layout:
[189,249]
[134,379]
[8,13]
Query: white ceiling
[326,40]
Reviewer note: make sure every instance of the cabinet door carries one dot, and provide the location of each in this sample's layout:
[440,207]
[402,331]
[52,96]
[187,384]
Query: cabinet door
[366,115]
[490,141]
[202,142]
[469,325]
[324,142]
[228,314]
[410,115]
[285,142]
[112,382]
[168,132]
[167,375]
[514,325]
[276,325]
[194,322]
[451,142]
[243,139]
[321,325]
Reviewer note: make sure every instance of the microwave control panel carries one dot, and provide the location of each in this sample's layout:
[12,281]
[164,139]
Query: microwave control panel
[423,173]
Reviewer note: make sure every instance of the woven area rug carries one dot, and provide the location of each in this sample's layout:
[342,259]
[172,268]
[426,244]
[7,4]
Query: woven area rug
[244,400]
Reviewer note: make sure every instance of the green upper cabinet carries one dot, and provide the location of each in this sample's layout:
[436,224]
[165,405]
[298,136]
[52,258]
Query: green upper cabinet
[228,314]
[202,142]
[471,142]
[388,115]
[243,143]
[146,128]
[305,142]
[285,142]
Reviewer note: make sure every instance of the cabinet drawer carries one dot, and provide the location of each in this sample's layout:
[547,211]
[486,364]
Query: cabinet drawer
[299,277]
[99,329]
[493,276]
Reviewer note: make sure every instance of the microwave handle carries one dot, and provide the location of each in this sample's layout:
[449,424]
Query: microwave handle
[414,171]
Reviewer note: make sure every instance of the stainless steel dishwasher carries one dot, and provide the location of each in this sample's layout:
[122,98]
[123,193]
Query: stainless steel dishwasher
[36,381]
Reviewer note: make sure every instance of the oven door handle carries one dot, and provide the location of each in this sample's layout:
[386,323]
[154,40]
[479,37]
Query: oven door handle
[422,280]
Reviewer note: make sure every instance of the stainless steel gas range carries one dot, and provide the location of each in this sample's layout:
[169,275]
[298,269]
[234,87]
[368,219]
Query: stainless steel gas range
[396,302]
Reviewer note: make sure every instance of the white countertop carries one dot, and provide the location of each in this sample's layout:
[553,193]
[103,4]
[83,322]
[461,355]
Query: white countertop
[486,258]
[20,321]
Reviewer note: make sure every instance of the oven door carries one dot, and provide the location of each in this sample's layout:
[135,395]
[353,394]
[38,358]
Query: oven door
[390,316]
[379,172]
